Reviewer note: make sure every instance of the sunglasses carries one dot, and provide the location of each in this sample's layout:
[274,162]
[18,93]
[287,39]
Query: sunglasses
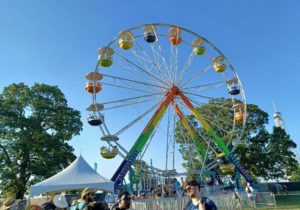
[188,188]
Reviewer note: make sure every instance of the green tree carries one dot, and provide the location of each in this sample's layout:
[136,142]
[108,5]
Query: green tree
[36,124]
[295,176]
[281,156]
[256,151]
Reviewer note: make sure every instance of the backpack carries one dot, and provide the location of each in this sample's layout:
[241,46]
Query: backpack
[48,206]
[248,190]
[236,196]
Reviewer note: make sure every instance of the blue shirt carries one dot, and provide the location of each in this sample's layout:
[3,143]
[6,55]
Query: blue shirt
[209,205]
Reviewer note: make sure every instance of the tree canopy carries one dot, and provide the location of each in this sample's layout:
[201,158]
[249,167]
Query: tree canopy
[267,155]
[36,124]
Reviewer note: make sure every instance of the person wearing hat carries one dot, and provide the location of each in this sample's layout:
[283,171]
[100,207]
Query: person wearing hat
[123,203]
[9,204]
[49,205]
[197,201]
[60,202]
[86,200]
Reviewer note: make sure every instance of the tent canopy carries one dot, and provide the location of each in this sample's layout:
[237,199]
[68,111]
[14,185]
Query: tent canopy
[77,175]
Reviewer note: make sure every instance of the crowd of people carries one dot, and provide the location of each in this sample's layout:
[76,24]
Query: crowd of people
[173,188]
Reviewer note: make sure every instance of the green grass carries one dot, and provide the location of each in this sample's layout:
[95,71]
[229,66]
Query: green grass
[288,201]
[283,202]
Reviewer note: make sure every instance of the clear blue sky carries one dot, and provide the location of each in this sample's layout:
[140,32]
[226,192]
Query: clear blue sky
[56,42]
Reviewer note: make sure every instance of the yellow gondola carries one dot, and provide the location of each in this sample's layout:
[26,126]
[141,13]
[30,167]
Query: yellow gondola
[220,155]
[107,153]
[227,168]
[125,40]
[218,64]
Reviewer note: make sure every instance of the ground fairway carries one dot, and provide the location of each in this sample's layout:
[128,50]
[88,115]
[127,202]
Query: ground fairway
[284,202]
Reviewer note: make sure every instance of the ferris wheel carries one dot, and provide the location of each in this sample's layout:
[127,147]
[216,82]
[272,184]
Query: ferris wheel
[156,83]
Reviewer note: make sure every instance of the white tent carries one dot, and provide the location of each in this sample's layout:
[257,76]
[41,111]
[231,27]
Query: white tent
[77,175]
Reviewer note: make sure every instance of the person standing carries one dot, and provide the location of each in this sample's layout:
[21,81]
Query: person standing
[251,195]
[86,200]
[197,201]
[123,203]
[237,199]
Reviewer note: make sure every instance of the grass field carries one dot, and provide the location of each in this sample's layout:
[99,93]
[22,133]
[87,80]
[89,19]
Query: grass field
[290,202]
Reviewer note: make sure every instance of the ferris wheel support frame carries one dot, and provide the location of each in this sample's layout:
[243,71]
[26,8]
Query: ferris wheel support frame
[216,138]
[138,146]
[191,133]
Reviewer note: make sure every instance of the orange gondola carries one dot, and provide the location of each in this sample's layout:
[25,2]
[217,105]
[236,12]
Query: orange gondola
[175,36]
[93,87]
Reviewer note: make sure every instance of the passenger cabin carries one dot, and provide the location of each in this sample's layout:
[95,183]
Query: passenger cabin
[105,56]
[198,47]
[219,64]
[227,168]
[149,33]
[94,120]
[175,36]
[125,40]
[93,87]
[239,114]
[108,153]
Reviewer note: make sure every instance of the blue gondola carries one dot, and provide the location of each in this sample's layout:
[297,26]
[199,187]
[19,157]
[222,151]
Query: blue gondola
[233,90]
[149,37]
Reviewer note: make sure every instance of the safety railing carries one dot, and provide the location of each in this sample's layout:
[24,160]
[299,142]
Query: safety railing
[223,201]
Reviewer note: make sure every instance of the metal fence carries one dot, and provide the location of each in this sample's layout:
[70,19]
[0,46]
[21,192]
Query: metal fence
[223,201]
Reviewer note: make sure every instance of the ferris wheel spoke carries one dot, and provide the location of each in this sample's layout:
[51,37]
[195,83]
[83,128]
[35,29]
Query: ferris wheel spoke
[142,69]
[134,81]
[129,104]
[161,64]
[136,119]
[191,124]
[215,125]
[162,56]
[142,78]
[131,99]
[205,87]
[186,68]
[201,96]
[143,61]
[197,76]
[174,63]
[125,87]
[199,104]
[148,59]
